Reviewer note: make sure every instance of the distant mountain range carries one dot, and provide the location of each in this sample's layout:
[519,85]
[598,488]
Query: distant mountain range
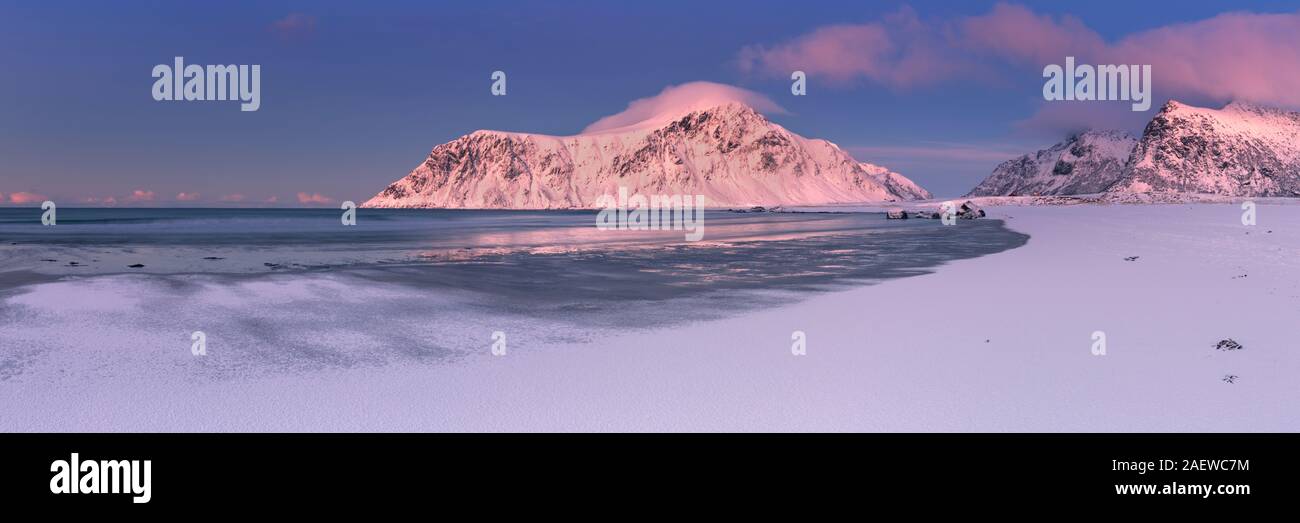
[729,153]
[1087,163]
[1239,150]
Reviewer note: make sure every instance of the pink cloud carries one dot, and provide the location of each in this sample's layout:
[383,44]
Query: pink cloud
[1015,33]
[1231,56]
[187,196]
[26,197]
[1064,118]
[675,100]
[315,198]
[140,195]
[109,200]
[295,25]
[899,51]
[233,198]
[273,199]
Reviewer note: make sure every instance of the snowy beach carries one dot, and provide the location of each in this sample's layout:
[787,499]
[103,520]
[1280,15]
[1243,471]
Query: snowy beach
[1001,342]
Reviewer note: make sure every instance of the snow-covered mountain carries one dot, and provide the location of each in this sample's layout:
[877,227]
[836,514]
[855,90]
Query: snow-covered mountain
[729,153]
[900,185]
[1086,163]
[1240,150]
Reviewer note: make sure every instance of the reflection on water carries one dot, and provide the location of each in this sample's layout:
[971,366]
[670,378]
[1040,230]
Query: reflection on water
[294,290]
[534,258]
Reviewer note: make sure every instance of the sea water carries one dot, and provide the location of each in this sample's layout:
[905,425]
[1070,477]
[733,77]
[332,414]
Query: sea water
[283,290]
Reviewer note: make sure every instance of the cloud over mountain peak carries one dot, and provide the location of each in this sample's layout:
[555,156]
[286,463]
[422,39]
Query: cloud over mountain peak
[676,100]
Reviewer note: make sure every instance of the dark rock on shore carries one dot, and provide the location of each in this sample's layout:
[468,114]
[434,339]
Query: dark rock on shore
[1228,344]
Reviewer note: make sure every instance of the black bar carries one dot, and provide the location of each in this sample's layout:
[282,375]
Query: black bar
[393,470]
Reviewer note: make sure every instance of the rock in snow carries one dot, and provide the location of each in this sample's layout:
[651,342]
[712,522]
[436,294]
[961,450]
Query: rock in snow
[1228,344]
[729,153]
[1239,150]
[969,211]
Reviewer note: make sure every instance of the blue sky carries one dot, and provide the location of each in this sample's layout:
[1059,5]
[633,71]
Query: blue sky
[357,93]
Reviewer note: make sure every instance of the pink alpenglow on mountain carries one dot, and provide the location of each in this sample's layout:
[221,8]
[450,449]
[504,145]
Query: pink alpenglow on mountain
[1240,150]
[729,153]
[1085,163]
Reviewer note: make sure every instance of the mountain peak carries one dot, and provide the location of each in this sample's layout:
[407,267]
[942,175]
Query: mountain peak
[1243,149]
[1241,106]
[726,151]
[1172,105]
[677,101]
[1235,107]
[730,111]
[1085,163]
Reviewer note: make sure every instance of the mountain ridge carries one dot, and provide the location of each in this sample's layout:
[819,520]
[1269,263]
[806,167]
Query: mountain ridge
[1088,162]
[1242,149]
[729,153]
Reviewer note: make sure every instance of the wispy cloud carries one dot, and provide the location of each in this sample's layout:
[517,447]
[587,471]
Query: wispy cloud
[26,197]
[1236,55]
[187,197]
[141,195]
[294,26]
[233,198]
[1063,118]
[1231,56]
[314,198]
[1017,34]
[900,50]
[677,99]
[95,200]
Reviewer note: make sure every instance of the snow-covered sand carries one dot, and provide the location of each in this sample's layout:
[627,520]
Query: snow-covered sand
[997,343]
